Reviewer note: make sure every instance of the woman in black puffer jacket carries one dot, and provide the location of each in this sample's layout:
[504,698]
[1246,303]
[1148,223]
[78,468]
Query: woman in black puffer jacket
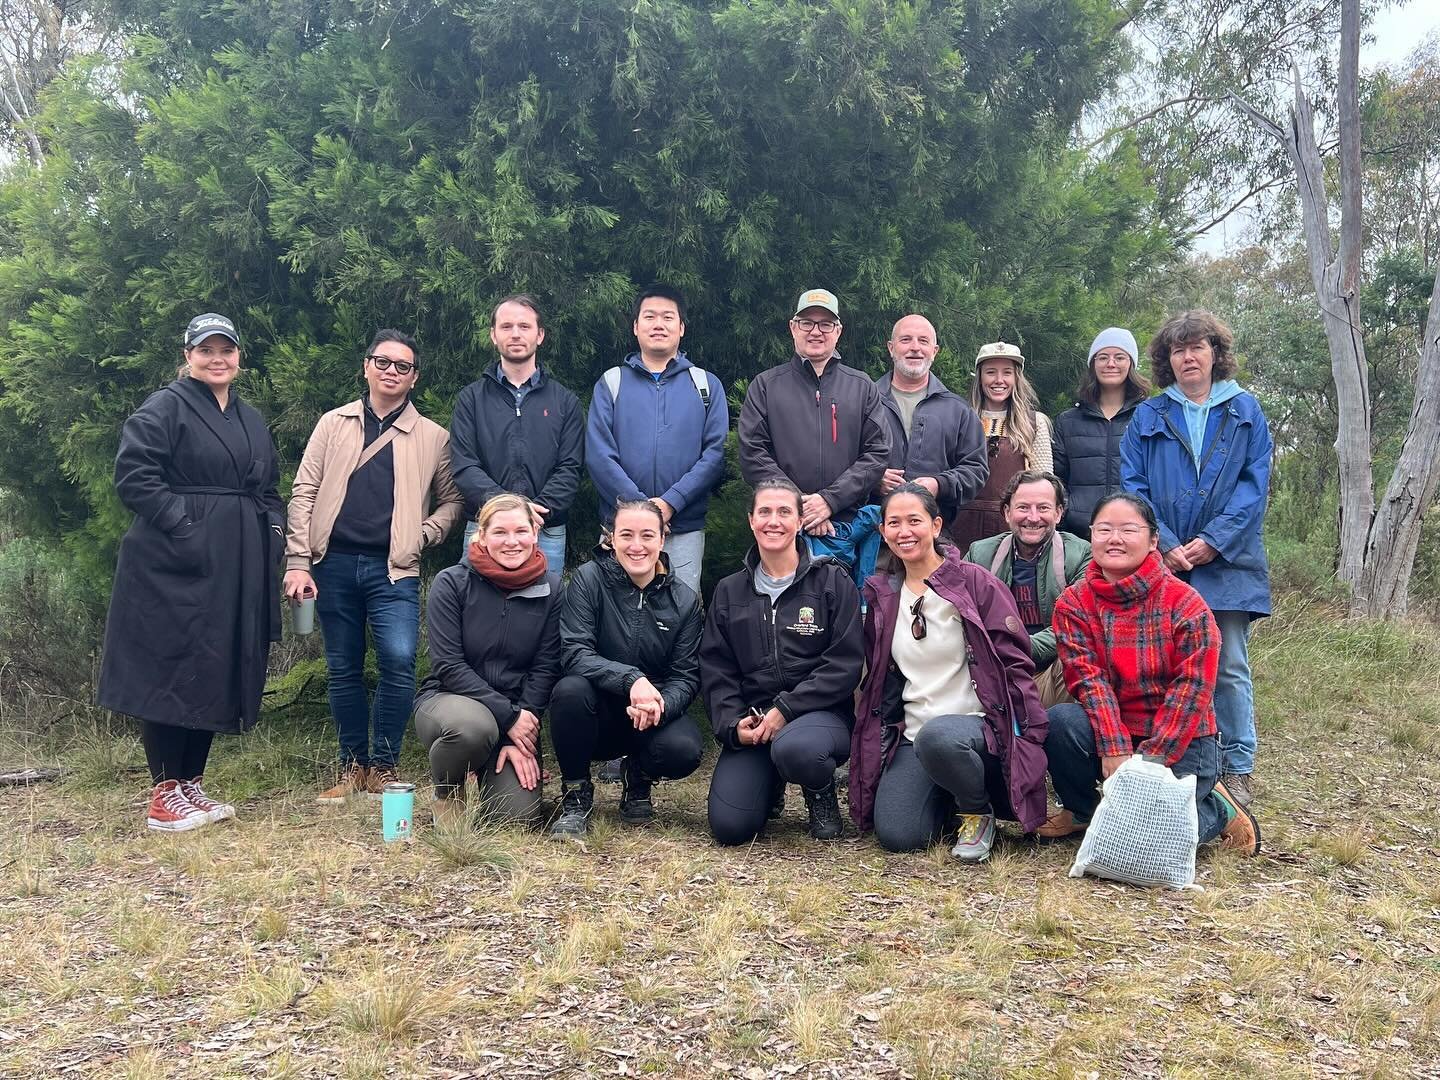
[1086,441]
[629,644]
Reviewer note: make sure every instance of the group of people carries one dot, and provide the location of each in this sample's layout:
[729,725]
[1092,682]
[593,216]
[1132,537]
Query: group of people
[919,601]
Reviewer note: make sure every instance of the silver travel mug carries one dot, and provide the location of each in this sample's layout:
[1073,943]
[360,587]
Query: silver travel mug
[302,616]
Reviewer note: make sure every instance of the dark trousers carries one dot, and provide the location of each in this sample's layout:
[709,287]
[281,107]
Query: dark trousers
[462,736]
[806,752]
[945,771]
[174,753]
[588,725]
[356,591]
[1075,769]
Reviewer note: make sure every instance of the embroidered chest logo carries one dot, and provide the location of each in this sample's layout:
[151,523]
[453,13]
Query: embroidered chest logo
[805,623]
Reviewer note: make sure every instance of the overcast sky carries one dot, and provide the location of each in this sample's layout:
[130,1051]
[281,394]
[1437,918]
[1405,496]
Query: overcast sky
[1397,30]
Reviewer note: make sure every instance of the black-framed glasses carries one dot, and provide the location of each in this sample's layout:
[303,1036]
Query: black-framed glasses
[825,326]
[917,620]
[385,363]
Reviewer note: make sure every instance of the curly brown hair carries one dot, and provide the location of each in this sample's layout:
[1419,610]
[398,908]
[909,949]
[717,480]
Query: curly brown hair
[1186,327]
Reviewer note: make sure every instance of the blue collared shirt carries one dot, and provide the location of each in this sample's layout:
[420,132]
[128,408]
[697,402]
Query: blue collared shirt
[532,383]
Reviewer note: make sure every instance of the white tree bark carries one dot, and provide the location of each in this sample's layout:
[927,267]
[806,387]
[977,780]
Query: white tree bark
[1340,314]
[1377,549]
[1395,535]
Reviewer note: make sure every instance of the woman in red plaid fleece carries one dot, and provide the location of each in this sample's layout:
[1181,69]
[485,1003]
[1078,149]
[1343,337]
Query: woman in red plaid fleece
[1139,650]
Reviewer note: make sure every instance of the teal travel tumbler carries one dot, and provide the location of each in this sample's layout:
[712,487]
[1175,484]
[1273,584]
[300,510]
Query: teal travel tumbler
[397,810]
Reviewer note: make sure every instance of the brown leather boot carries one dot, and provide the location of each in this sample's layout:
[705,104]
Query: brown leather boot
[1060,825]
[353,780]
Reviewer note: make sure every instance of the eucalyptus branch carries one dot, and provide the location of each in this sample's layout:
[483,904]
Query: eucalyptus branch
[1150,114]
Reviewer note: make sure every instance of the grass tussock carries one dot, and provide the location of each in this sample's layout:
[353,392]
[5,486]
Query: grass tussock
[266,989]
[387,1002]
[472,844]
[816,1022]
[1349,846]
[271,924]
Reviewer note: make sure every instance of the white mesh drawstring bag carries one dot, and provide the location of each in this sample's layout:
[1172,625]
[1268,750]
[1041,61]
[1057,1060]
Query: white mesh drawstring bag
[1145,830]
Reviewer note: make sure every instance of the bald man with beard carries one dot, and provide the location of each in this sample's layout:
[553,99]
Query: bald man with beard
[935,437]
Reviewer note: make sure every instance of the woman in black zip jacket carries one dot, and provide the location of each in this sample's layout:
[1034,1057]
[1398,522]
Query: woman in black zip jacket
[494,628]
[780,661]
[629,635]
[1086,439]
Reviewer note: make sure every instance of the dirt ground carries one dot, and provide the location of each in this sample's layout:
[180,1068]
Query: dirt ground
[294,942]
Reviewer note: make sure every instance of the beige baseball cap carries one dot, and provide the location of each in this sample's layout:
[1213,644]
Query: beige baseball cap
[821,298]
[999,350]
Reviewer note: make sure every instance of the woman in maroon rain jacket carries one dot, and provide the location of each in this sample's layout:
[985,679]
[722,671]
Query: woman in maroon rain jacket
[949,721]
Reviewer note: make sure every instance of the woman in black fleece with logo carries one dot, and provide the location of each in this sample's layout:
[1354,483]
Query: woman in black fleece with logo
[779,662]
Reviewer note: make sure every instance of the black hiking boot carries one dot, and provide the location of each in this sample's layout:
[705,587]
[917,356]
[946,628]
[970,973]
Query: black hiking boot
[576,802]
[825,821]
[611,772]
[635,805]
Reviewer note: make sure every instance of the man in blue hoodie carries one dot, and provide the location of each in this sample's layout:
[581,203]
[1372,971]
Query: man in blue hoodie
[657,431]
[1199,454]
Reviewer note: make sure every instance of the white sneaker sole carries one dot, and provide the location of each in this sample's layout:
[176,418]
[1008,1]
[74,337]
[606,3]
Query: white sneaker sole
[973,853]
[199,821]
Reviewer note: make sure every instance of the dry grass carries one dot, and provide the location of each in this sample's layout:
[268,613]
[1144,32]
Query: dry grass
[293,943]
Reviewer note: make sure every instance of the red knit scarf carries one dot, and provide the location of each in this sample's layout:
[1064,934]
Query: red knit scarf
[527,573]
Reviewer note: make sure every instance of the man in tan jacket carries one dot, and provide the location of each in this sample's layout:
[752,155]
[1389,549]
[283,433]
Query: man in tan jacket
[360,514]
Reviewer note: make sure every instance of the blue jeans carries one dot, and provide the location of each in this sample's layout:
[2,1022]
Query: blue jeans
[1235,694]
[1075,769]
[551,544]
[354,590]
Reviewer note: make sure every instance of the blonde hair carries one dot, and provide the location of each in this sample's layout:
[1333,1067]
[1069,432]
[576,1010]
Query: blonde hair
[499,504]
[1020,423]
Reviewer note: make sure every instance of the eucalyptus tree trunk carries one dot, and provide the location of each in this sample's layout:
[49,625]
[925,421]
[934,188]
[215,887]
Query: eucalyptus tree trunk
[1377,551]
[1395,534]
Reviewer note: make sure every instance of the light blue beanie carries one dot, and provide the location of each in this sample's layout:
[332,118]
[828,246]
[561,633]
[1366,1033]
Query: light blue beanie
[1115,337]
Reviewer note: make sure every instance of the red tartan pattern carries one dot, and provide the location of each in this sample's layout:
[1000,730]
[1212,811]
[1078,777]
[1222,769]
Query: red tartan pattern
[1140,656]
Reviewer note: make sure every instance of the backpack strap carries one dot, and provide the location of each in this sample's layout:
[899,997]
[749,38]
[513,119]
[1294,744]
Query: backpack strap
[611,379]
[1057,562]
[698,376]
[701,380]
[1002,552]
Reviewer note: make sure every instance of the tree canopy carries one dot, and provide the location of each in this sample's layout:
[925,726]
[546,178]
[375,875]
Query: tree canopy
[319,169]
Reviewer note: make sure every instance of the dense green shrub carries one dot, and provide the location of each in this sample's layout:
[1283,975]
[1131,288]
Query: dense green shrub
[318,167]
[49,629]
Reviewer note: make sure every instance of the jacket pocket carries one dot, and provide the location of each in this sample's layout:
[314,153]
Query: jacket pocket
[184,550]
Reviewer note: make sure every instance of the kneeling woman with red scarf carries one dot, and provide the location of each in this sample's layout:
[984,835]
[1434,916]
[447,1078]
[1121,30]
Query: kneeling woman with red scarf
[1139,650]
[494,625]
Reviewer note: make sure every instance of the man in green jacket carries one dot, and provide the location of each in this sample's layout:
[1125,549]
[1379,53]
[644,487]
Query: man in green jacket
[1038,562]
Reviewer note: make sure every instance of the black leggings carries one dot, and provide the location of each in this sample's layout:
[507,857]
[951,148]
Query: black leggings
[806,752]
[174,753]
[588,725]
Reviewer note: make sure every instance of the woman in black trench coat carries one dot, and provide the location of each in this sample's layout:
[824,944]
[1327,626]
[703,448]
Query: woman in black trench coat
[196,601]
